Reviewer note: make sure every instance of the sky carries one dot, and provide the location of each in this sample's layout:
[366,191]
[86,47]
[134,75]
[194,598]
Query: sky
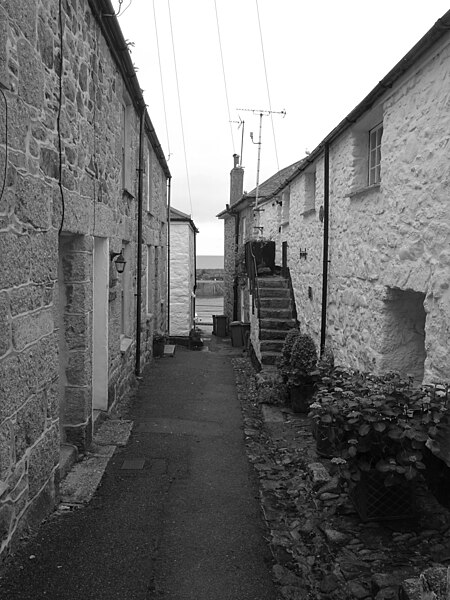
[204,63]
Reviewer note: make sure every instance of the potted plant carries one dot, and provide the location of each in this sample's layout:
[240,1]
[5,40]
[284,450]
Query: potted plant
[241,269]
[159,341]
[302,372]
[385,427]
[284,361]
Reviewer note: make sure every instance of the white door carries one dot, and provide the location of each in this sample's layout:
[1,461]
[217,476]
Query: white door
[100,325]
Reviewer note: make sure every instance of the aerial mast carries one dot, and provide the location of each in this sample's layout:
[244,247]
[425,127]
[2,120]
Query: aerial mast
[262,113]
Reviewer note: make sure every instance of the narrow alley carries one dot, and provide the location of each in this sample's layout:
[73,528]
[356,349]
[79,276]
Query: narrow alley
[177,514]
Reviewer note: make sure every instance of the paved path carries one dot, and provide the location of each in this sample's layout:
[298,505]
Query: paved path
[177,515]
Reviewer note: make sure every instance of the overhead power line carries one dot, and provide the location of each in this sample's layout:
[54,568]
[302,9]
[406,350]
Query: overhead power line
[267,86]
[179,106]
[162,82]
[224,77]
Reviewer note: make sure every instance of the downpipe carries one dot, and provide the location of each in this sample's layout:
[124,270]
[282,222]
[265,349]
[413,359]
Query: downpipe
[326,215]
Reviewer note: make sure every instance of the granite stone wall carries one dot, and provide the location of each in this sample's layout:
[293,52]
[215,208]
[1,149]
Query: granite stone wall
[70,179]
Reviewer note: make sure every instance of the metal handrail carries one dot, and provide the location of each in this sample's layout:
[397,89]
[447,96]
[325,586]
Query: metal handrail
[253,277]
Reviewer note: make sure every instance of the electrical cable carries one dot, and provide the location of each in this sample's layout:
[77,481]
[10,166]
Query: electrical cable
[179,106]
[6,144]
[224,77]
[121,12]
[267,86]
[162,84]
[58,119]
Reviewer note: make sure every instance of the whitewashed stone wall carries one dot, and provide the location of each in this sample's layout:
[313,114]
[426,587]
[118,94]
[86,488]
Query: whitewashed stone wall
[182,277]
[47,230]
[389,244]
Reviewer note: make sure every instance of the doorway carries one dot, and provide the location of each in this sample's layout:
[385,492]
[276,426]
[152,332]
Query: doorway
[100,325]
[403,345]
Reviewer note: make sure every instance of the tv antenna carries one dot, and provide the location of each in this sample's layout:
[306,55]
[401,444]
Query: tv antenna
[240,123]
[261,113]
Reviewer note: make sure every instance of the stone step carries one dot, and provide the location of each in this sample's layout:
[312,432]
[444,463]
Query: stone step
[271,345]
[275,303]
[272,292]
[272,334]
[272,282]
[270,358]
[275,323]
[275,313]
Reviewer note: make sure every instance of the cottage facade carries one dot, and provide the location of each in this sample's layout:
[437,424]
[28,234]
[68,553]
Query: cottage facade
[83,183]
[366,219]
[182,273]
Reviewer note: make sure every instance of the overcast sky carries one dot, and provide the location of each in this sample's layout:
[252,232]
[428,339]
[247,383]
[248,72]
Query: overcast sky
[322,57]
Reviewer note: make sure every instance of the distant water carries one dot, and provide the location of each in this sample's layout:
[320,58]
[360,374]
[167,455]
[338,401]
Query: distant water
[209,262]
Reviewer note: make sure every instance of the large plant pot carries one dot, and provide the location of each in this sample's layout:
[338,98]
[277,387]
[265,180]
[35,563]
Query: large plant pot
[376,502]
[328,440]
[158,348]
[301,396]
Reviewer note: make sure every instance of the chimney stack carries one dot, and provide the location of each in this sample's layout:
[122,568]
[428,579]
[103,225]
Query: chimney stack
[236,181]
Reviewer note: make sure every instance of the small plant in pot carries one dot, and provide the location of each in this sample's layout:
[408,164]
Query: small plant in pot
[159,341]
[302,373]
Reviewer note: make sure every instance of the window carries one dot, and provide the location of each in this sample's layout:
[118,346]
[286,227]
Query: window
[126,144]
[150,279]
[310,191]
[375,154]
[126,292]
[148,179]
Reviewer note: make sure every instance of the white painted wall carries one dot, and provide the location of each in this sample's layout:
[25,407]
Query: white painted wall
[387,238]
[182,277]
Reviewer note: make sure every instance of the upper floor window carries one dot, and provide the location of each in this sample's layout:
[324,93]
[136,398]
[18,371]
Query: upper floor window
[310,191]
[126,144]
[375,135]
[148,178]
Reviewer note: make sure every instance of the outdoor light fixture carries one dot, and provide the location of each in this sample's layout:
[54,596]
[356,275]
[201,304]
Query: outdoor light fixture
[303,254]
[120,262]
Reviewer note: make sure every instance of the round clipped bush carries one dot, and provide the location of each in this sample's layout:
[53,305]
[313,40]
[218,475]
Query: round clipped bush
[303,360]
[285,360]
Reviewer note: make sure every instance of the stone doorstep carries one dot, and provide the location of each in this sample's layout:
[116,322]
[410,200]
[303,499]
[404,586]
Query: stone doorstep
[82,480]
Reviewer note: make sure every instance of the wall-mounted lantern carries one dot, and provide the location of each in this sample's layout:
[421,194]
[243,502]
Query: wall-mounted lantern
[303,254]
[120,261]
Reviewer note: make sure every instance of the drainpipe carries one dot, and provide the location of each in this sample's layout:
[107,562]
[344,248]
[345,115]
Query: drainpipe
[195,274]
[137,369]
[326,213]
[235,281]
[169,189]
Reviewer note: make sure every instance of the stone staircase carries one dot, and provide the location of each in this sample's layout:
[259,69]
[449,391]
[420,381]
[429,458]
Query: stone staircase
[276,316]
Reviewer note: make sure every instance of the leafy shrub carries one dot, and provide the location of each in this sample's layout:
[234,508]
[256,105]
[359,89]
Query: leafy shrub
[285,359]
[303,361]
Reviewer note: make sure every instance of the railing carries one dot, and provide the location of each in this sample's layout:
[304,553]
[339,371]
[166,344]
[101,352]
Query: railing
[252,272]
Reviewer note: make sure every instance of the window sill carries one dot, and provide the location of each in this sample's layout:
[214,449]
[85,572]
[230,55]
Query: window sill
[364,191]
[125,343]
[127,193]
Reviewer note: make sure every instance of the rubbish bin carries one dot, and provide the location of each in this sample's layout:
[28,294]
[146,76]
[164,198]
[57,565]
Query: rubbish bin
[220,325]
[237,339]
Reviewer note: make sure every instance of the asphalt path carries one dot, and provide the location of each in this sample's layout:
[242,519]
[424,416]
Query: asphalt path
[177,514]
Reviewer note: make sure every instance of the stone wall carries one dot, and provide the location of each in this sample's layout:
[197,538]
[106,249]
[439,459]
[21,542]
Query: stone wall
[68,184]
[388,243]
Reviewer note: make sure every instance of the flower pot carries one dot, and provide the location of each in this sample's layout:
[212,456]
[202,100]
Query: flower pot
[374,501]
[301,397]
[158,348]
[328,442]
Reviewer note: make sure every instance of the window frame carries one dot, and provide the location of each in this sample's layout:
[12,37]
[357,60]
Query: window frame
[374,155]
